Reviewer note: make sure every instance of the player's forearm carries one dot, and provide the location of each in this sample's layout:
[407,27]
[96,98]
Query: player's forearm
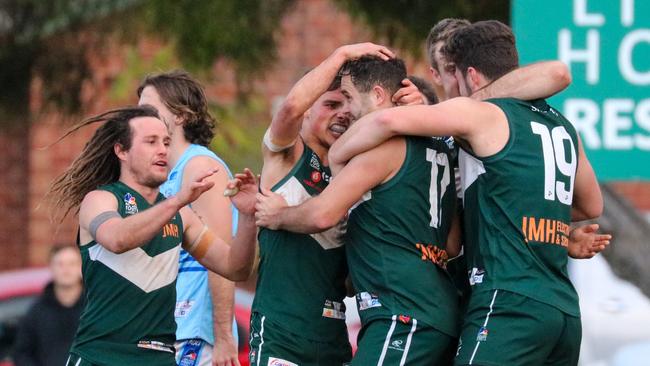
[539,80]
[138,229]
[365,134]
[222,292]
[313,216]
[242,251]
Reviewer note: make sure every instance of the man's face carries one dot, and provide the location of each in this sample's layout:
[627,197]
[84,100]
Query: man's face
[360,103]
[147,158]
[329,117]
[66,267]
[150,96]
[444,75]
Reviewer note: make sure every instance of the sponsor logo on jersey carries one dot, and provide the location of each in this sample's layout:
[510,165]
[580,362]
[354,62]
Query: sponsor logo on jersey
[367,300]
[397,345]
[171,230]
[315,176]
[547,231]
[279,362]
[130,205]
[433,254]
[482,334]
[314,161]
[183,308]
[190,352]
[476,276]
[334,310]
[404,319]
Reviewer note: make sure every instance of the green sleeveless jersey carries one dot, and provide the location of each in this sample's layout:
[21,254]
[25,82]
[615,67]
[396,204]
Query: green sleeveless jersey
[129,313]
[301,282]
[396,237]
[518,207]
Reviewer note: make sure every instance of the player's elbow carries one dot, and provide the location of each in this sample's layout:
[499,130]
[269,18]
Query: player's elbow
[117,245]
[290,109]
[561,74]
[325,220]
[594,209]
[385,123]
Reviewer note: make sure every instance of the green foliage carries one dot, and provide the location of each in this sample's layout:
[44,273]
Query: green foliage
[240,128]
[243,31]
[406,23]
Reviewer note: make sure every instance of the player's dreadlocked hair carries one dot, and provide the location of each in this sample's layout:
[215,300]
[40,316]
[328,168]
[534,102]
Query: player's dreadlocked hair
[185,98]
[97,164]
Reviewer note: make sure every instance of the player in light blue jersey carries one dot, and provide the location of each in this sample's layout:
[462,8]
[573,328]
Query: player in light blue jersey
[206,333]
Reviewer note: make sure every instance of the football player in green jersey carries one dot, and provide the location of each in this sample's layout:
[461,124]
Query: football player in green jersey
[130,238]
[298,312]
[524,178]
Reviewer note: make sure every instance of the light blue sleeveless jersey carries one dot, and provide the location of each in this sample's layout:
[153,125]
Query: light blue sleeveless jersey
[193,302]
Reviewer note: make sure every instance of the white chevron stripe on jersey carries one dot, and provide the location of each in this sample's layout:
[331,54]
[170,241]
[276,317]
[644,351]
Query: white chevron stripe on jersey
[470,169]
[294,193]
[136,266]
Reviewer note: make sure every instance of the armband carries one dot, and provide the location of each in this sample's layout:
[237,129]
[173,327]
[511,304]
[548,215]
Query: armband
[201,244]
[99,220]
[273,147]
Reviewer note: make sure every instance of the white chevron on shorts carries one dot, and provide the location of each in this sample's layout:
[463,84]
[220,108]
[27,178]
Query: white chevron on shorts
[136,266]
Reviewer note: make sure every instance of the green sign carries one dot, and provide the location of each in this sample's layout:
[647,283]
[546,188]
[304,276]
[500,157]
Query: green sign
[606,44]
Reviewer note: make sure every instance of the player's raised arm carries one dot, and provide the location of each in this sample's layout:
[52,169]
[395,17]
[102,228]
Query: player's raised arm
[99,219]
[286,124]
[234,261]
[461,117]
[322,212]
[536,81]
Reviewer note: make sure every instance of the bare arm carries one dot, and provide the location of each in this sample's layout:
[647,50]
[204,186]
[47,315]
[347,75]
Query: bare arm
[286,124]
[585,242]
[215,211]
[535,81]
[482,124]
[234,261]
[118,234]
[587,198]
[328,208]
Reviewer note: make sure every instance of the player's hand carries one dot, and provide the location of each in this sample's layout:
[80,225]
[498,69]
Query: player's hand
[194,187]
[585,243]
[224,352]
[267,209]
[355,51]
[242,190]
[409,94]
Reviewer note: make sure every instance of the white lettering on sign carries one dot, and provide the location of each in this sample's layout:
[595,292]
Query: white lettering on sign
[632,75]
[583,18]
[620,131]
[590,55]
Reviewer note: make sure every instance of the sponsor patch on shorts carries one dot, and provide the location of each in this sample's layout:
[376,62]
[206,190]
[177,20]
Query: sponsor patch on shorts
[183,308]
[279,362]
[367,300]
[334,310]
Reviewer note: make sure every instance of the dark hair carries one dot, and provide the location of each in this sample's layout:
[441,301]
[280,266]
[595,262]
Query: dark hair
[368,71]
[488,46]
[425,88]
[441,33]
[97,164]
[186,99]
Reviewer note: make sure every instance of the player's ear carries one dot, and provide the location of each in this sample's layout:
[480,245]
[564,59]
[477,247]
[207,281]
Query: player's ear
[120,151]
[435,75]
[474,77]
[379,94]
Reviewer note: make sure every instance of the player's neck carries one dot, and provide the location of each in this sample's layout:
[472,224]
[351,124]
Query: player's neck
[317,147]
[177,147]
[148,193]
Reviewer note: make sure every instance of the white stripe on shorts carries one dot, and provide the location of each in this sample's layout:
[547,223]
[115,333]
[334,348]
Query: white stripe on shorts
[387,342]
[487,318]
[408,342]
[259,349]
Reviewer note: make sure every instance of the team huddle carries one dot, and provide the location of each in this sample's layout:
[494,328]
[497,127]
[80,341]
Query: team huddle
[448,221]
